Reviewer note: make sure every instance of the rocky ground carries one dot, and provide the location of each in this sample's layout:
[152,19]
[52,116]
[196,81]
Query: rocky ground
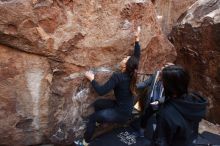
[205,126]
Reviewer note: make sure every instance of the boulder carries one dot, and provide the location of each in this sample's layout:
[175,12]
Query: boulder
[197,40]
[168,12]
[155,55]
[24,95]
[47,45]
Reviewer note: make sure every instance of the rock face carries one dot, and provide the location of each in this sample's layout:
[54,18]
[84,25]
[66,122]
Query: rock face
[46,47]
[156,54]
[63,30]
[197,40]
[24,94]
[168,12]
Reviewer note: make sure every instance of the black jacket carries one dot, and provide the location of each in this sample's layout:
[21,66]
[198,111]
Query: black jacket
[178,120]
[120,83]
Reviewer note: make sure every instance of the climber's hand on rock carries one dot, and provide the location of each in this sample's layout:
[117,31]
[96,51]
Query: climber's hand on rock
[137,33]
[89,75]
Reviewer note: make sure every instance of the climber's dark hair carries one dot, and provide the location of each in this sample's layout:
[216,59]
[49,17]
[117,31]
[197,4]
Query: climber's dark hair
[131,68]
[175,81]
[132,65]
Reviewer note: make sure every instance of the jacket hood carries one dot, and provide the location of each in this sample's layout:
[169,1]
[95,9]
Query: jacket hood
[192,106]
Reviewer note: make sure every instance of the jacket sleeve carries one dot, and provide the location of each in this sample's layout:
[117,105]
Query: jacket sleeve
[107,87]
[137,50]
[163,134]
[145,83]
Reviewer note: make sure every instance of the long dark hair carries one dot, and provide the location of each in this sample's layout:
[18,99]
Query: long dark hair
[175,81]
[131,68]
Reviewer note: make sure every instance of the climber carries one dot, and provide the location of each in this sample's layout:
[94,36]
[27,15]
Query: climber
[153,99]
[119,110]
[178,119]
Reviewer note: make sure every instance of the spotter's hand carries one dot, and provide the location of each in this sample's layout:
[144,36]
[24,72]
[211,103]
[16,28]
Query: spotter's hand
[154,103]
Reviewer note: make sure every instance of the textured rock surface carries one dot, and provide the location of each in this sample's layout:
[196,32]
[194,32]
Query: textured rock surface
[155,55]
[24,95]
[75,31]
[200,11]
[168,12]
[54,42]
[197,40]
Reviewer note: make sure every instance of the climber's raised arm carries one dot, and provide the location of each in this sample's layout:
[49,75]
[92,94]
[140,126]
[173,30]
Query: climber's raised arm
[137,48]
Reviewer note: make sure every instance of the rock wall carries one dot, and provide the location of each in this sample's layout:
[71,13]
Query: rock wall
[197,40]
[24,95]
[46,45]
[168,12]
